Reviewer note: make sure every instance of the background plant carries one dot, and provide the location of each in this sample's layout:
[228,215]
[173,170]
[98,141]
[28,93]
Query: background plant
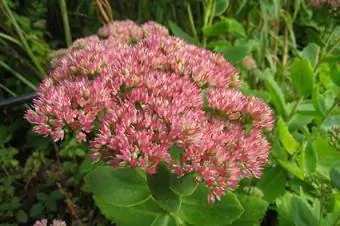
[287,53]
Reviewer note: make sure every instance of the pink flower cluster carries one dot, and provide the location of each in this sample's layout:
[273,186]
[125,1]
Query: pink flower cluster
[133,102]
[43,222]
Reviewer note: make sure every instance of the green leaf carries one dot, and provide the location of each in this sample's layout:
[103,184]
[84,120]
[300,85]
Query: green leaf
[117,186]
[311,159]
[221,7]
[311,52]
[283,207]
[335,74]
[225,26]
[318,101]
[183,186]
[335,177]
[307,108]
[276,94]
[254,210]
[330,121]
[177,31]
[278,151]
[176,152]
[87,165]
[298,121]
[159,185]
[272,183]
[258,93]
[195,209]
[302,213]
[143,214]
[328,157]
[302,76]
[287,139]
[164,220]
[235,28]
[292,168]
[36,210]
[218,28]
[218,45]
[21,216]
[234,54]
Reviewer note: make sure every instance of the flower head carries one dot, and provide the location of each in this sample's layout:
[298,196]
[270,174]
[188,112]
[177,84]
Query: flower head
[136,91]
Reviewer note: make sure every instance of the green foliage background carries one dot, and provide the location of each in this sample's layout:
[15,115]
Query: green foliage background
[287,53]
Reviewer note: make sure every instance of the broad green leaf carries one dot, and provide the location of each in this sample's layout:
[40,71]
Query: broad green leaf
[195,209]
[21,216]
[272,183]
[218,45]
[292,168]
[286,138]
[177,31]
[117,186]
[235,28]
[164,220]
[142,214]
[218,28]
[328,157]
[331,219]
[278,151]
[311,159]
[234,54]
[276,94]
[254,210]
[298,121]
[36,210]
[335,74]
[307,108]
[335,177]
[183,186]
[302,213]
[221,7]
[330,121]
[87,165]
[302,76]
[311,52]
[283,207]
[159,185]
[258,93]
[314,36]
[176,152]
[225,26]
[318,101]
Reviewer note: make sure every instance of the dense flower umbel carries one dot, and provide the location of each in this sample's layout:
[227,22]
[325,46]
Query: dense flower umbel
[139,91]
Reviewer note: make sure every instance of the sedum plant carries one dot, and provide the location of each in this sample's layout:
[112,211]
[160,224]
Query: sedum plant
[144,101]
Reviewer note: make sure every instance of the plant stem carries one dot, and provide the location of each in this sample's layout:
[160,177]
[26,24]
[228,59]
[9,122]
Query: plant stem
[191,20]
[294,109]
[209,10]
[8,90]
[22,38]
[104,11]
[11,39]
[16,74]
[66,25]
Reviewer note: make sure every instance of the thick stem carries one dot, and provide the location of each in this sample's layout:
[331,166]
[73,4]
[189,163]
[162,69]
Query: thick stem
[191,20]
[67,31]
